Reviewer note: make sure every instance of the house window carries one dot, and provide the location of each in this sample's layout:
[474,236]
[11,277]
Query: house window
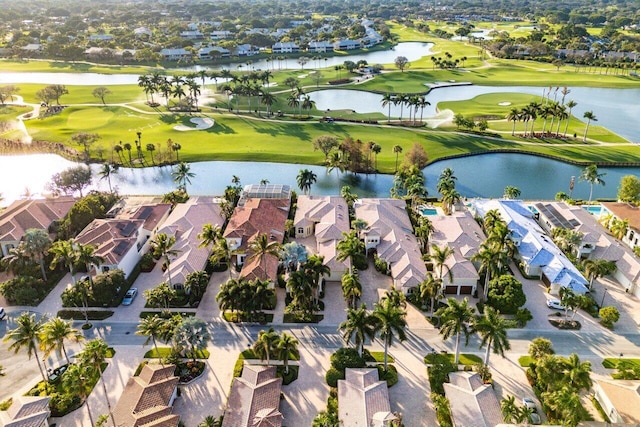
[105,269]
[241,258]
[300,230]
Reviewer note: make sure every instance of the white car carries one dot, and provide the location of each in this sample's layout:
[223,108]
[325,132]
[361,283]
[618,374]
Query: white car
[129,296]
[528,402]
[555,304]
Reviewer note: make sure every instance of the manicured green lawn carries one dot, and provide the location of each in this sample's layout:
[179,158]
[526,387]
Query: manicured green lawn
[166,351]
[465,359]
[37,66]
[525,361]
[612,362]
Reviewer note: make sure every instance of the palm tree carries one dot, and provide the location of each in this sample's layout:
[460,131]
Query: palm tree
[176,147]
[86,256]
[209,235]
[268,99]
[105,173]
[54,332]
[35,244]
[161,246]
[77,380]
[493,331]
[351,288]
[431,288]
[387,100]
[210,420]
[350,247]
[455,320]
[182,175]
[265,345]
[438,256]
[359,326]
[487,256]
[222,251]
[590,118]
[151,148]
[590,174]
[305,180]
[570,104]
[389,322]
[316,268]
[508,409]
[287,346]
[619,228]
[423,230]
[95,354]
[27,334]
[577,373]
[127,147]
[261,248]
[449,198]
[307,103]
[151,327]
[118,149]
[64,253]
[397,149]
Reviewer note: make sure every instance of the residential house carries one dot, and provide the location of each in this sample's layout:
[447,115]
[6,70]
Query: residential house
[631,213]
[207,52]
[142,31]
[24,214]
[257,216]
[121,241]
[539,255]
[325,218]
[147,399]
[390,233]
[473,403]
[26,411]
[346,44]
[175,54]
[245,50]
[620,400]
[285,47]
[264,191]
[254,399]
[32,48]
[220,35]
[100,37]
[320,47]
[363,400]
[192,35]
[552,215]
[460,232]
[185,223]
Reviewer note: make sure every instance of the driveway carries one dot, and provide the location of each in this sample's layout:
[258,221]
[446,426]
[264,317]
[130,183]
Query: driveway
[372,281]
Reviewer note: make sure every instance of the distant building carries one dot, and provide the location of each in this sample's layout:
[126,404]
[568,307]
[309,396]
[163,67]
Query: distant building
[192,35]
[100,37]
[220,35]
[207,52]
[142,31]
[346,44]
[631,213]
[285,47]
[245,50]
[320,47]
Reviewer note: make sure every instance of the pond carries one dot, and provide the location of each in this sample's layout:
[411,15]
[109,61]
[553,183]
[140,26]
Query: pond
[478,176]
[615,109]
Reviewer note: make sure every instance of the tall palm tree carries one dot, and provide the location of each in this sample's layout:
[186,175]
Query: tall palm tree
[265,345]
[268,99]
[316,268]
[390,323]
[487,256]
[95,354]
[128,147]
[493,332]
[152,327]
[577,374]
[209,235]
[423,230]
[27,335]
[305,180]
[118,149]
[54,333]
[387,100]
[590,174]
[351,288]
[35,244]
[359,326]
[105,173]
[590,118]
[570,104]
[397,149]
[350,247]
[151,148]
[431,288]
[221,251]
[287,347]
[456,319]
[77,380]
[64,253]
[261,247]
[162,246]
[86,256]
[182,175]
[438,256]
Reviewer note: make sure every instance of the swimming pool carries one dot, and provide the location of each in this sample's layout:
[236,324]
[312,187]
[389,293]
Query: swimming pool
[595,210]
[429,211]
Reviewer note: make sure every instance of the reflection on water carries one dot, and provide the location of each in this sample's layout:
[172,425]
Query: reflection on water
[478,176]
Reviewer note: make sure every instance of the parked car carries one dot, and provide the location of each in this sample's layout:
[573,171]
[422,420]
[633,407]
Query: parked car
[535,419]
[3,315]
[528,402]
[129,296]
[555,304]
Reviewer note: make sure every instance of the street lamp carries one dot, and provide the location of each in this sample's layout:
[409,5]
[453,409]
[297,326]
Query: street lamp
[603,295]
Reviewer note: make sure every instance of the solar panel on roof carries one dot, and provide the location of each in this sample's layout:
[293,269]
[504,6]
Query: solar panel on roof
[128,229]
[120,247]
[146,211]
[555,217]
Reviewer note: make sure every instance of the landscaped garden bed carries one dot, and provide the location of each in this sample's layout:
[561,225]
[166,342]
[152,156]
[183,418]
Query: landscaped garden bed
[293,318]
[249,354]
[465,359]
[79,315]
[238,317]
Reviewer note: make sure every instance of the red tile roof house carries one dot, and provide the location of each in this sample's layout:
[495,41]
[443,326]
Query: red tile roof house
[121,241]
[22,215]
[185,223]
[257,216]
[363,400]
[147,399]
[254,400]
[26,411]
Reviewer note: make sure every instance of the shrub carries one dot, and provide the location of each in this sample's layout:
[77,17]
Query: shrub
[381,265]
[106,288]
[390,375]
[523,315]
[443,411]
[21,290]
[439,374]
[147,263]
[609,316]
[506,294]
[332,376]
[347,357]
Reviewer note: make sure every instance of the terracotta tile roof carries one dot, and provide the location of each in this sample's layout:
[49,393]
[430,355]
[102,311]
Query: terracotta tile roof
[625,211]
[362,398]
[152,215]
[185,223]
[26,411]
[146,398]
[32,213]
[254,399]
[624,395]
[112,237]
[473,403]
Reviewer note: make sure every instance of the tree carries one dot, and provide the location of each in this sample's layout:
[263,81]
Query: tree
[506,294]
[570,104]
[351,288]
[71,180]
[590,118]
[160,296]
[287,347]
[151,148]
[438,256]
[95,354]
[27,335]
[397,149]
[35,244]
[86,256]
[595,268]
[350,247]
[209,235]
[101,92]
[63,253]
[77,380]
[325,143]
[105,173]
[192,334]
[292,255]
[176,148]
[609,316]
[265,345]
[261,247]
[629,189]
[359,326]
[401,63]
[195,284]
[305,180]
[590,174]
[416,156]
[431,288]
[54,333]
[540,348]
[493,332]
[222,252]
[513,116]
[455,320]
[511,192]
[387,100]
[86,140]
[619,227]
[182,175]
[151,327]
[390,323]
[162,246]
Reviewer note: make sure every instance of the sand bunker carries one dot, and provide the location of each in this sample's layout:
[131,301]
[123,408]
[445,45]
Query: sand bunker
[443,117]
[504,104]
[201,124]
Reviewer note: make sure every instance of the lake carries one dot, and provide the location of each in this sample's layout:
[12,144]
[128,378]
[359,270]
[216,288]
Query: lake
[484,175]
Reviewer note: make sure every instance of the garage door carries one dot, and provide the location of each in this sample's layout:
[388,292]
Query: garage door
[466,290]
[451,290]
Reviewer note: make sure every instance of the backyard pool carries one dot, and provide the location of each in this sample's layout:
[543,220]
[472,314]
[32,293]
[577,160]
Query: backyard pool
[595,210]
[429,211]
